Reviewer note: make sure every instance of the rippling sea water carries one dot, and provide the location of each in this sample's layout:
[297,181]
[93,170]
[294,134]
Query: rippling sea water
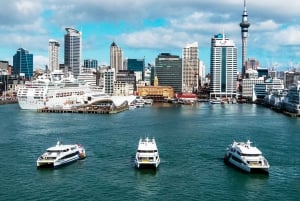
[192,141]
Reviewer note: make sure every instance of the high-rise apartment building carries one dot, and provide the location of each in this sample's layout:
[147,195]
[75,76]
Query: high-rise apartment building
[168,69]
[116,57]
[73,51]
[128,77]
[109,80]
[53,55]
[252,64]
[223,69]
[190,68]
[23,63]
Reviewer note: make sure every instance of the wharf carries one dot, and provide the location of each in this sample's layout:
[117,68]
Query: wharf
[291,114]
[85,110]
[283,111]
[3,102]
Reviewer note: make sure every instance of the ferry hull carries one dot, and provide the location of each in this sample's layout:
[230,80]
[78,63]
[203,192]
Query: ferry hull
[146,165]
[244,167]
[57,163]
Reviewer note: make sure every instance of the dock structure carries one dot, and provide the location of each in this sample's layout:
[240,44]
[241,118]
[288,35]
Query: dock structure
[85,110]
[290,114]
[3,102]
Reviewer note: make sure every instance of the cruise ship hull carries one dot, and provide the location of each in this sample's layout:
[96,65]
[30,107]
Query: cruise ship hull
[31,105]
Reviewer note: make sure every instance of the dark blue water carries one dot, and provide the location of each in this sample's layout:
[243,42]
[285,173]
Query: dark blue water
[191,140]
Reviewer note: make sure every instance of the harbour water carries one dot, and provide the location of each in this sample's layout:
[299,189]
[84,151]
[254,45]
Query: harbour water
[192,141]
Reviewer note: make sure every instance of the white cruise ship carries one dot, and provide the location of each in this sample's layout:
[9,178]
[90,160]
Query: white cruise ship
[246,158]
[61,154]
[147,154]
[54,90]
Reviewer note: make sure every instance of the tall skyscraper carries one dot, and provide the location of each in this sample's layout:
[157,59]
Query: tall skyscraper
[168,69]
[53,55]
[190,68]
[73,51]
[223,69]
[23,63]
[116,57]
[244,31]
[137,65]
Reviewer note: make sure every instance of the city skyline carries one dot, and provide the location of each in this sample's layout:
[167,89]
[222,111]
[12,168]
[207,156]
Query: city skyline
[147,28]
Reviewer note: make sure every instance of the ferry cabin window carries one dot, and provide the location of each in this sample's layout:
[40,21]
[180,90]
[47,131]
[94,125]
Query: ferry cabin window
[237,159]
[141,151]
[250,154]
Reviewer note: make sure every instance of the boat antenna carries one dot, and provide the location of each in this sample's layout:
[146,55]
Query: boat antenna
[58,141]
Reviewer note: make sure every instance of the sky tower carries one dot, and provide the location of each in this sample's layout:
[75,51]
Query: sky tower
[244,31]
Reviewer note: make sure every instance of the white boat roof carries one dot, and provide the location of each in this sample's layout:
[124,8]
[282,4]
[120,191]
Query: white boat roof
[246,148]
[60,147]
[147,144]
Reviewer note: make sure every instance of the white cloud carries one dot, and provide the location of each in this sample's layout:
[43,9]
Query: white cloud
[268,25]
[156,38]
[40,61]
[27,7]
[288,36]
[20,12]
[275,9]
[30,23]
[194,27]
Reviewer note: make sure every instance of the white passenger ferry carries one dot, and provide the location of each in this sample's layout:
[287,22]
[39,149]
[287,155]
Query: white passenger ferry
[246,157]
[61,155]
[147,154]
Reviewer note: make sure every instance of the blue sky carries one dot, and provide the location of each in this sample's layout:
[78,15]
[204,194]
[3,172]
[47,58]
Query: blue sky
[145,28]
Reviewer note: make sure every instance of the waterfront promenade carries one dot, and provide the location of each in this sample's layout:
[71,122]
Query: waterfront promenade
[85,110]
[106,110]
